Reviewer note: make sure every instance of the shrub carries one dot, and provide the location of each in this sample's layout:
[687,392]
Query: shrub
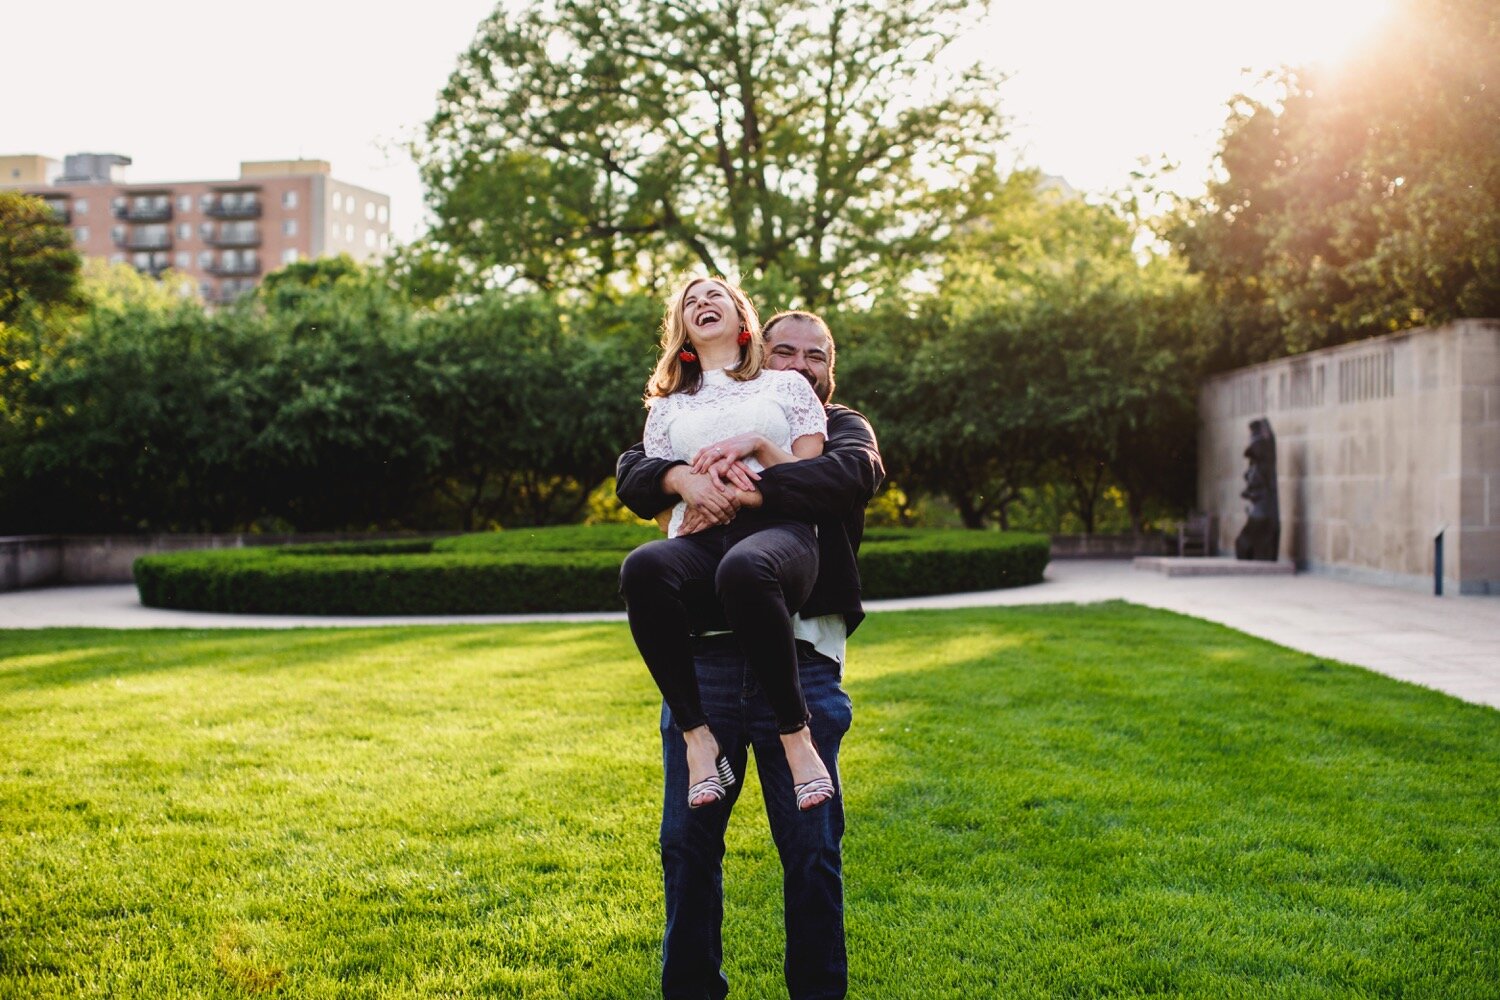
[896,562]
[535,570]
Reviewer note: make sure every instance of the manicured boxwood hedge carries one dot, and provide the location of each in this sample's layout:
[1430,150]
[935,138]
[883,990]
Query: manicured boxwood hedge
[544,569]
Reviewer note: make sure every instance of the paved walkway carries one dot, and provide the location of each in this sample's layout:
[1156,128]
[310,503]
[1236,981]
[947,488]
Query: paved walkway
[1450,643]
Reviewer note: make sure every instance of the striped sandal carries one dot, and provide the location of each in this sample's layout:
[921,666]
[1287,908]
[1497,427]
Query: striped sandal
[717,787]
[819,789]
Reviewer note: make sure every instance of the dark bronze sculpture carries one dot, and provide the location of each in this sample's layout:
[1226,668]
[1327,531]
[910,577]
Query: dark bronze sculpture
[1261,537]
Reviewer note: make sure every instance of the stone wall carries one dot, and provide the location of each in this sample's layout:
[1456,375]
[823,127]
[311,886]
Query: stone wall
[1381,445]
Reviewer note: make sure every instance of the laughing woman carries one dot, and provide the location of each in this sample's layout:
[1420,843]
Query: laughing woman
[714,404]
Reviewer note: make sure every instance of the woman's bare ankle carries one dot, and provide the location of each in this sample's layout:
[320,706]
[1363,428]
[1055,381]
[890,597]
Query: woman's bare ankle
[700,738]
[802,756]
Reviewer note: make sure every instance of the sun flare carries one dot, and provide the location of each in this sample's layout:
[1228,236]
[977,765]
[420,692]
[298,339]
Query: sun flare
[1326,32]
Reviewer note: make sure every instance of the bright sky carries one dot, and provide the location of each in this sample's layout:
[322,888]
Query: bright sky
[187,92]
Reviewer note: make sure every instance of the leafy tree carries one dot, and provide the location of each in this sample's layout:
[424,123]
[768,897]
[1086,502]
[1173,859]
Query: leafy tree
[1360,202]
[950,393]
[534,403]
[811,147]
[1048,352]
[38,265]
[132,426]
[117,287]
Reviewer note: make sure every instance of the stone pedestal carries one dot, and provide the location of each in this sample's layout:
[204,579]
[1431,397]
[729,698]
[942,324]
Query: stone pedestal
[1213,566]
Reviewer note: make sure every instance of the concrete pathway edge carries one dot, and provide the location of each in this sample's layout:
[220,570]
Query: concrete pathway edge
[1451,644]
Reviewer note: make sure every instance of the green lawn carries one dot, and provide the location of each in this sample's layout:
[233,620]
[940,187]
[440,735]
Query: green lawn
[1055,801]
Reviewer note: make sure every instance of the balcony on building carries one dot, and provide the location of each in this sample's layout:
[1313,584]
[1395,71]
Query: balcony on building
[228,292]
[133,211]
[136,240]
[232,205]
[235,268]
[234,238]
[156,268]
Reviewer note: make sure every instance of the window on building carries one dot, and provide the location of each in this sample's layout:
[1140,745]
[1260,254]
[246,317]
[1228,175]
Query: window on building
[185,203]
[205,230]
[184,231]
[289,255]
[370,239]
[349,232]
[338,201]
[289,227]
[117,233]
[117,258]
[81,206]
[369,211]
[333,231]
[184,260]
[385,242]
[289,199]
[205,259]
[81,234]
[383,214]
[205,200]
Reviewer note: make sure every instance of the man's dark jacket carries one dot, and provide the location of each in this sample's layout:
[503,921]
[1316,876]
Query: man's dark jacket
[830,491]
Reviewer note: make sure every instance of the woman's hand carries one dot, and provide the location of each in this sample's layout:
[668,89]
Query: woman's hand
[724,461]
[738,447]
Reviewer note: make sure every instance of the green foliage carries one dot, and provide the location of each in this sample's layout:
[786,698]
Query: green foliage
[535,403]
[118,288]
[1360,202]
[264,581]
[604,506]
[327,401]
[38,265]
[130,424]
[1043,802]
[912,562]
[615,538]
[1050,352]
[547,569]
[809,148]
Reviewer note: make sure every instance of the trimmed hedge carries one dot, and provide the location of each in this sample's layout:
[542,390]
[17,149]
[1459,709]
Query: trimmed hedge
[531,570]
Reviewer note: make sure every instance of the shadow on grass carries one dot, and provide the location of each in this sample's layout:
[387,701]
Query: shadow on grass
[61,657]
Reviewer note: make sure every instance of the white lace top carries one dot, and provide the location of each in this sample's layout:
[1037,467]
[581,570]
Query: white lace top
[777,404]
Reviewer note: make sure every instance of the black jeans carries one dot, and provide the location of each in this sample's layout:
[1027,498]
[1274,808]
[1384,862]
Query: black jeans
[809,843]
[760,578]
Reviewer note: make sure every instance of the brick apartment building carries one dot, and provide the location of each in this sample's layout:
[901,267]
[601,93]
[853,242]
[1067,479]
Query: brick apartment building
[225,234]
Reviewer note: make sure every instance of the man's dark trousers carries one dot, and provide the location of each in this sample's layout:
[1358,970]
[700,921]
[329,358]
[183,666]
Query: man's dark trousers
[692,840]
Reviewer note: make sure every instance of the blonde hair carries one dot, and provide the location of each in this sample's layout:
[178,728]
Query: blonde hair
[672,374]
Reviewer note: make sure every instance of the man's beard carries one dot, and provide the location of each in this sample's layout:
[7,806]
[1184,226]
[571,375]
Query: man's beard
[817,389]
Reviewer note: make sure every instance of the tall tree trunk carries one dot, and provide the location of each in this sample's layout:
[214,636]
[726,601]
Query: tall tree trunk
[971,513]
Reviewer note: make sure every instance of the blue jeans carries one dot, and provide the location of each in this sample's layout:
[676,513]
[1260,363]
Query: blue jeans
[692,840]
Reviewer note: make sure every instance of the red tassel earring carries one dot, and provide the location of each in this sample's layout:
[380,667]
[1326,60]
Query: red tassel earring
[686,356]
[744,337]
